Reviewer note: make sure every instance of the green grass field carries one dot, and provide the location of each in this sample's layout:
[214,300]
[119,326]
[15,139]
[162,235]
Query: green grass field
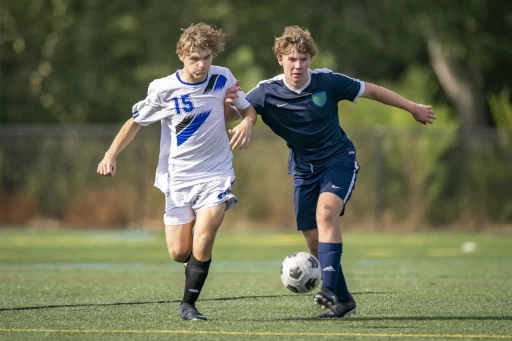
[117,285]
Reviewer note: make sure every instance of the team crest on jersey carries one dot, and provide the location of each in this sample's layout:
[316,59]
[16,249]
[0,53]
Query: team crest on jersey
[319,98]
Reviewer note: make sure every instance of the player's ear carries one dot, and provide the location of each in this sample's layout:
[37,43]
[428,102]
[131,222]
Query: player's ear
[182,58]
[280,60]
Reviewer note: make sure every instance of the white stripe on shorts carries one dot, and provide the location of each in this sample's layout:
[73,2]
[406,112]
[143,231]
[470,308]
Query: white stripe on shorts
[351,187]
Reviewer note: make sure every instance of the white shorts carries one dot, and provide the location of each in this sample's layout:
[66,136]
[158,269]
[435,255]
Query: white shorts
[182,204]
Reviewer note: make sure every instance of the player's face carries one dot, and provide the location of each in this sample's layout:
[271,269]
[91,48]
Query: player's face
[196,65]
[295,66]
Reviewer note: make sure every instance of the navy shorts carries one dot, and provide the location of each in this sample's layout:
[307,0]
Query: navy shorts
[338,178]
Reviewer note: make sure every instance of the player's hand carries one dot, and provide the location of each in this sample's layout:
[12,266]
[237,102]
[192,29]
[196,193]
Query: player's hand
[241,135]
[107,166]
[423,114]
[232,93]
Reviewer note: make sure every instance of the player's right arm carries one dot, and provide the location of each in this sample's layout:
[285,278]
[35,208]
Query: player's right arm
[107,166]
[151,109]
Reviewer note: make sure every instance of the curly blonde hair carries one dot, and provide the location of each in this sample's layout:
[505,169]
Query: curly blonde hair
[294,38]
[201,37]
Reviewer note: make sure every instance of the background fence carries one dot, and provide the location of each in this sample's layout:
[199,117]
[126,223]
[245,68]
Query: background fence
[87,62]
[409,179]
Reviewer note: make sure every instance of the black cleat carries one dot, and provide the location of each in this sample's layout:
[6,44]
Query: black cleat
[340,309]
[325,297]
[189,312]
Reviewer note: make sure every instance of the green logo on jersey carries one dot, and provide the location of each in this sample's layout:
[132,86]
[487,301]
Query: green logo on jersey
[320,98]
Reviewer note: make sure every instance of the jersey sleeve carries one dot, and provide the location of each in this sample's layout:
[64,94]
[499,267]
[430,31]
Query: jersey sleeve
[257,98]
[241,102]
[151,109]
[347,88]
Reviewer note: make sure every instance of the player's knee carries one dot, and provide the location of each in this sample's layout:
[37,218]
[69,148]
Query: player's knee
[327,216]
[178,254]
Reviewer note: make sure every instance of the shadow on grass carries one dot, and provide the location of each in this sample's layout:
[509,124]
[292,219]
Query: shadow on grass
[398,318]
[163,302]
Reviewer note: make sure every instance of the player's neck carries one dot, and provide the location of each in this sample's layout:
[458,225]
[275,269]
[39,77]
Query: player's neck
[297,85]
[187,77]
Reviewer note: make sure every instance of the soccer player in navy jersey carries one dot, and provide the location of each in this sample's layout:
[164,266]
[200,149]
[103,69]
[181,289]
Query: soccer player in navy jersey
[301,106]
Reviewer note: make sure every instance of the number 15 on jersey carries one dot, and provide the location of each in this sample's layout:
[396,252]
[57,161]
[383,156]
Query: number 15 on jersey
[183,103]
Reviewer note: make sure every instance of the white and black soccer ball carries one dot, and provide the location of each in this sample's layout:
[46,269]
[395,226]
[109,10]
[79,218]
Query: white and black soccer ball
[301,272]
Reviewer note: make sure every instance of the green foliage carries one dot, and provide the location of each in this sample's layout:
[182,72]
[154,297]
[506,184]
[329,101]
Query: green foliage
[68,61]
[501,108]
[244,67]
[89,61]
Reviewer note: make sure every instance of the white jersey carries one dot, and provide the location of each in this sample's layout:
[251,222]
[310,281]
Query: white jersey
[194,145]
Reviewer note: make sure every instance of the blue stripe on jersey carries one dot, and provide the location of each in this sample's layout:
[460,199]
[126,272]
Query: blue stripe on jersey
[210,84]
[220,83]
[192,127]
[135,115]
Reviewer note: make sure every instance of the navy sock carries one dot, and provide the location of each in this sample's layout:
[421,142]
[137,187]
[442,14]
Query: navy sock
[329,255]
[341,286]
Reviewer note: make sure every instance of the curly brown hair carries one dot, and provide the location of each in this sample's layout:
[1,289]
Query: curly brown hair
[296,38]
[201,37]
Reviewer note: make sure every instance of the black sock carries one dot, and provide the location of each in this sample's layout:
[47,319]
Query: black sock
[188,258]
[195,276]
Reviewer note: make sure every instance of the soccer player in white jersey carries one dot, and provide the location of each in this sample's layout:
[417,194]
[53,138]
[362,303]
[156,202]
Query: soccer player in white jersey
[195,165]
[301,106]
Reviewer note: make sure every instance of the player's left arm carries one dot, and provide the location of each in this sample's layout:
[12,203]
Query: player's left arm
[421,113]
[242,132]
[237,106]
[230,112]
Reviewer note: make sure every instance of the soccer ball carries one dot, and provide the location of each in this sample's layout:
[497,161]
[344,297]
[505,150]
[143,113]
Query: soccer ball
[300,272]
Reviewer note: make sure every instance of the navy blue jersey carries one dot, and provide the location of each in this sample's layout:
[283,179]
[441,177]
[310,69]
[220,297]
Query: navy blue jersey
[307,118]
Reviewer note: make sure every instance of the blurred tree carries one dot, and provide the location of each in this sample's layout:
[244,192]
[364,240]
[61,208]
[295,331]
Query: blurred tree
[466,43]
[88,61]
[65,61]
